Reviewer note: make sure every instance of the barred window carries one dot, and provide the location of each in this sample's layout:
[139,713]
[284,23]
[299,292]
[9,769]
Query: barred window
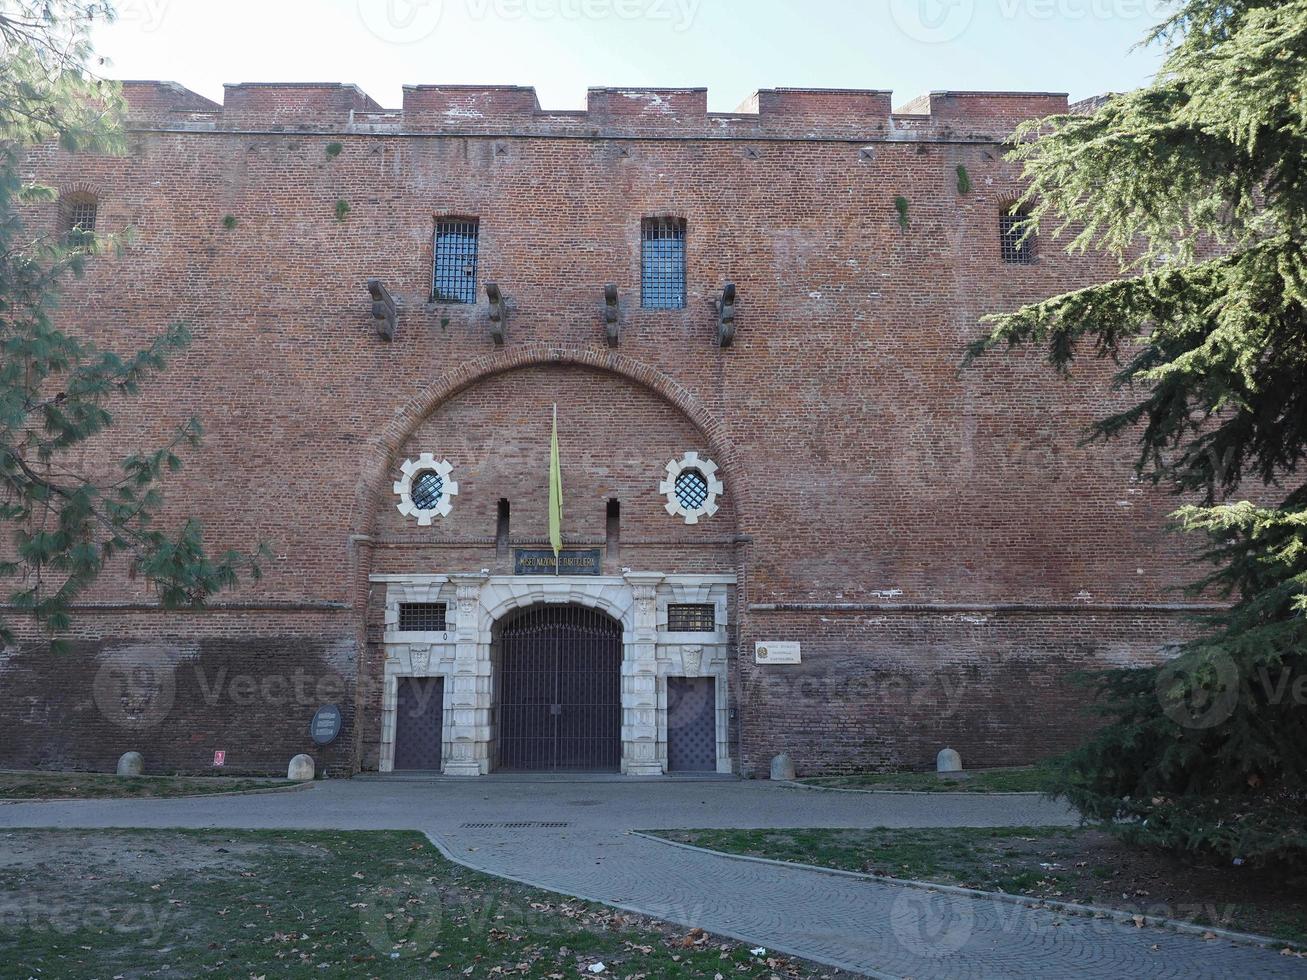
[455,270]
[422,617]
[692,618]
[77,212]
[1018,248]
[428,488]
[662,278]
[692,489]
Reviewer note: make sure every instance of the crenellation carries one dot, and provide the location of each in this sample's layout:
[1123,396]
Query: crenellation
[780,113]
[669,105]
[439,106]
[294,102]
[164,100]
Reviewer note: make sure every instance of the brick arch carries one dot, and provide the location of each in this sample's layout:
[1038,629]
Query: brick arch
[377,478]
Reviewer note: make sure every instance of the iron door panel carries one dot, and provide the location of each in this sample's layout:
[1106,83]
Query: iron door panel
[691,724]
[419,723]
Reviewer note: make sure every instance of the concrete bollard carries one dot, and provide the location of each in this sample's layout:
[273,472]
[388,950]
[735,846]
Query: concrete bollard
[948,761]
[782,767]
[300,769]
[131,764]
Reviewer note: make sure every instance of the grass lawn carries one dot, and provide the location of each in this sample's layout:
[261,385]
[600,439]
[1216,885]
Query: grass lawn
[297,904]
[1040,779]
[1065,864]
[102,786]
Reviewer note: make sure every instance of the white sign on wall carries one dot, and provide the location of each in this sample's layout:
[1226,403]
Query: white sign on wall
[777,653]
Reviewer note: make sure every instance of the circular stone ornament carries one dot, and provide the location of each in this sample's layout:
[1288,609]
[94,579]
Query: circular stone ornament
[425,491]
[691,488]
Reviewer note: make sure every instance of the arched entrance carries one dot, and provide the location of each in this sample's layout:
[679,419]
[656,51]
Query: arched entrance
[558,686]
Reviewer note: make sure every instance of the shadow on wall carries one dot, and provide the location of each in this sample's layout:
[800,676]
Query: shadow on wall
[176,701]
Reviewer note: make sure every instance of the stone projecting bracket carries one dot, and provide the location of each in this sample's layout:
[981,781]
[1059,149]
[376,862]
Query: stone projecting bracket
[384,310]
[725,306]
[498,313]
[612,316]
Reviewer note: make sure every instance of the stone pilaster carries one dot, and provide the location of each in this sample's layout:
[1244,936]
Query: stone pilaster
[469,699]
[640,679]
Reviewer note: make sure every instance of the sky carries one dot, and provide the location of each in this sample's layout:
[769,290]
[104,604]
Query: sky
[563,47]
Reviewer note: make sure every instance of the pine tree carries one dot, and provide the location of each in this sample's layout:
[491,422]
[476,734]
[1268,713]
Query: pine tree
[1198,184]
[58,391]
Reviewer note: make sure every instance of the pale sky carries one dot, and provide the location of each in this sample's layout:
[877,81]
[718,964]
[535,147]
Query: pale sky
[733,47]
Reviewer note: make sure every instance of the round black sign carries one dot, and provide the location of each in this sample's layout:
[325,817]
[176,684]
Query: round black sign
[325,726]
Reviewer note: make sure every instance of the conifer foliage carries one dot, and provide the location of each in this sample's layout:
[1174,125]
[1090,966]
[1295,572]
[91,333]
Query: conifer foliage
[62,521]
[1198,184]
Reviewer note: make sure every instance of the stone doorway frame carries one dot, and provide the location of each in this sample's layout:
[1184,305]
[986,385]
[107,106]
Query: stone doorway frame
[463,655]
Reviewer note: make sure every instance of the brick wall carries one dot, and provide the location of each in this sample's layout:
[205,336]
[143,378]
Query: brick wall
[888,688]
[179,687]
[858,461]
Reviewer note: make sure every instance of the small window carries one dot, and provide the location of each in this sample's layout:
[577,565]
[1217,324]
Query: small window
[613,529]
[77,213]
[696,618]
[455,276]
[1018,247]
[503,529]
[422,617]
[662,279]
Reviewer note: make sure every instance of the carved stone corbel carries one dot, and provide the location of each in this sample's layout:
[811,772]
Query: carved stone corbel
[612,315]
[384,310]
[726,316]
[498,313]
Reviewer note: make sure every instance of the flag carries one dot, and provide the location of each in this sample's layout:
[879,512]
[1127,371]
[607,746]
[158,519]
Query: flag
[555,494]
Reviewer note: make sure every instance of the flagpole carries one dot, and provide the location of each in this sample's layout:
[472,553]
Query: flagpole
[553,464]
[558,555]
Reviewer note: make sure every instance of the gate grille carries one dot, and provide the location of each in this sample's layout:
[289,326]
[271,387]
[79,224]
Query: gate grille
[560,691]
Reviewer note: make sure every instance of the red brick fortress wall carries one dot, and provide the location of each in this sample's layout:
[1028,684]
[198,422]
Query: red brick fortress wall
[864,472]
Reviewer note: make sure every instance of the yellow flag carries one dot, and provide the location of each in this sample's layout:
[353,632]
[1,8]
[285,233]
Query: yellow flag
[555,494]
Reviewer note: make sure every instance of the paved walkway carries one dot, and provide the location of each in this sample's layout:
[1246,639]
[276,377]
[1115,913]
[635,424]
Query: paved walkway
[878,928]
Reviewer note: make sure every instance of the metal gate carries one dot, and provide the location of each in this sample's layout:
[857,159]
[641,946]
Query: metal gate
[560,690]
[691,724]
[419,723]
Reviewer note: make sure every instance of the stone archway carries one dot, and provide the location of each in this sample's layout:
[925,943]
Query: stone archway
[629,601]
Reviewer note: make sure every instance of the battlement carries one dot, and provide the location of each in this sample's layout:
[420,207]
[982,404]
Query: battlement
[616,112]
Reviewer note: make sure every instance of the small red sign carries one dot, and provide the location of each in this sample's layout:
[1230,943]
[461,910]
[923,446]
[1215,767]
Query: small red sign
[219,758]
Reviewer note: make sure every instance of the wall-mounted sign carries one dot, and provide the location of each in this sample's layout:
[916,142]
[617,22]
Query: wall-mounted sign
[219,758]
[541,562]
[777,653]
[325,726]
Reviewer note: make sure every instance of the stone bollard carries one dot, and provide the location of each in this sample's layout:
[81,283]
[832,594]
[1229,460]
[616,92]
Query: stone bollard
[300,769]
[782,767]
[131,764]
[948,761]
